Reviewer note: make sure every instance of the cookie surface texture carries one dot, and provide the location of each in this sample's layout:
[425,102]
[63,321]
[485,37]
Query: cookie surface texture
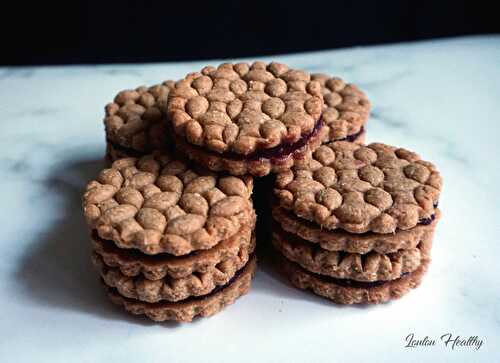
[357,188]
[134,122]
[160,204]
[237,115]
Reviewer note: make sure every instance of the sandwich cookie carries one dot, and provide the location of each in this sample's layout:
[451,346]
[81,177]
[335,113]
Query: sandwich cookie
[171,239]
[355,223]
[247,118]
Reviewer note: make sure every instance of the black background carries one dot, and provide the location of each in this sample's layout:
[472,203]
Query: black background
[147,31]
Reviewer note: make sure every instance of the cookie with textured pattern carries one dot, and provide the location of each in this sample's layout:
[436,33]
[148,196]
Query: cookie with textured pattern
[346,110]
[247,118]
[339,240]
[372,266]
[187,310]
[134,122]
[358,188]
[173,289]
[133,263]
[161,204]
[344,291]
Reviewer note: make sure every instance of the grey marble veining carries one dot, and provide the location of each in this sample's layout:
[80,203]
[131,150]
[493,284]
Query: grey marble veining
[439,98]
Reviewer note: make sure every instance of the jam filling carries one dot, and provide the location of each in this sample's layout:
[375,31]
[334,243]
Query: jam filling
[285,149]
[429,220]
[278,152]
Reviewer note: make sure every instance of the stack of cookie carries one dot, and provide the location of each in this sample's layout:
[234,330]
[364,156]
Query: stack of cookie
[355,223]
[170,240]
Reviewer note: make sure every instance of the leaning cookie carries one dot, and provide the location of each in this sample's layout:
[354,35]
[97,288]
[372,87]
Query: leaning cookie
[187,310]
[247,119]
[134,124]
[342,291]
[160,204]
[346,110]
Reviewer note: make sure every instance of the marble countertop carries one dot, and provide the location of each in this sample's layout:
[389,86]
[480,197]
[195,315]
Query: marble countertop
[439,98]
